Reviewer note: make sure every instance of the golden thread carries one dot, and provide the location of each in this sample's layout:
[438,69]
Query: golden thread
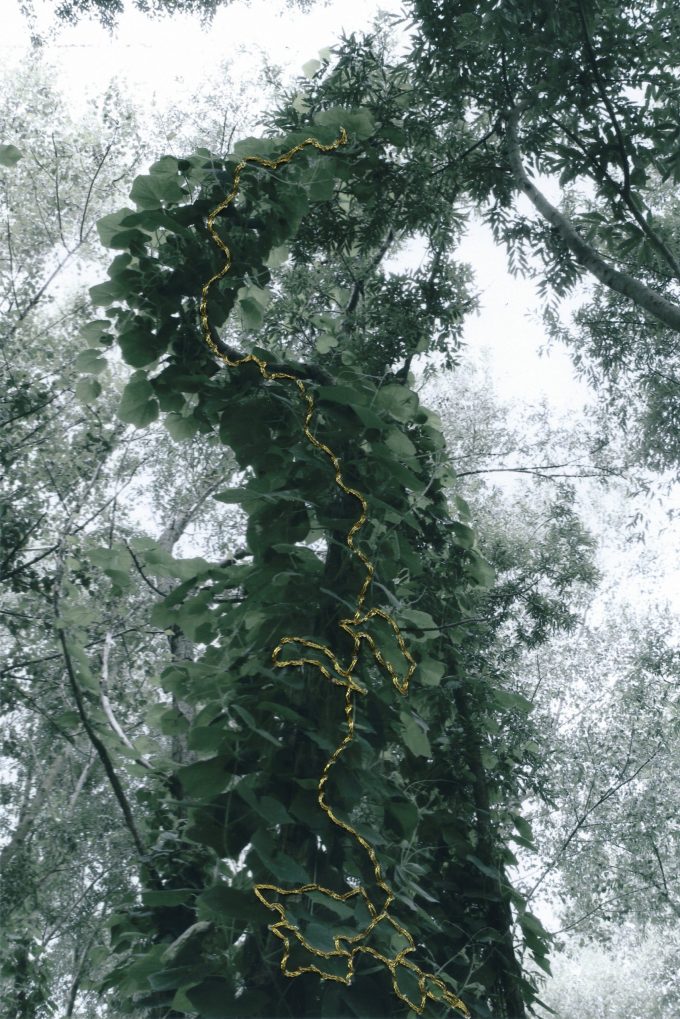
[352,628]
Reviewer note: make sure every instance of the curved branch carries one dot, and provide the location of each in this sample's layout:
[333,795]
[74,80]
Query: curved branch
[587,256]
[98,745]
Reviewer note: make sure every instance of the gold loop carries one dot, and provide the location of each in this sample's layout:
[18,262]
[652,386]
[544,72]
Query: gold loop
[340,676]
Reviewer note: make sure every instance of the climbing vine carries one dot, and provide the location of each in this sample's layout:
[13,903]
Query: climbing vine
[241,808]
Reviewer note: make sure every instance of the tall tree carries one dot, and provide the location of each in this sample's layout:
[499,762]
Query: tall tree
[248,812]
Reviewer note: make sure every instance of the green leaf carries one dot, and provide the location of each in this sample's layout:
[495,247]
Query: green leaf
[9,155]
[419,620]
[341,394]
[138,406]
[151,191]
[326,342]
[358,123]
[400,443]
[87,390]
[480,570]
[96,331]
[251,313]
[523,827]
[510,699]
[233,495]
[181,428]
[311,67]
[168,897]
[430,672]
[108,292]
[206,778]
[481,866]
[140,346]
[399,401]
[405,813]
[227,905]
[214,999]
[90,361]
[266,147]
[112,233]
[414,737]
[465,536]
[277,256]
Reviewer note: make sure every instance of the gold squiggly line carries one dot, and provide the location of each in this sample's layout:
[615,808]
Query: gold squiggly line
[350,627]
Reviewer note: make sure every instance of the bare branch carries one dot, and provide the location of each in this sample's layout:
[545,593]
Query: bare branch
[89,193]
[107,707]
[56,191]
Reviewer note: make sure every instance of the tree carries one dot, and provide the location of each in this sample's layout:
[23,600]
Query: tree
[240,800]
[614,845]
[588,93]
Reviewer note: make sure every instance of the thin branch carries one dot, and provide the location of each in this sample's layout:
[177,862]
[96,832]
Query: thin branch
[89,193]
[141,572]
[629,202]
[580,820]
[592,59]
[98,745]
[56,190]
[107,707]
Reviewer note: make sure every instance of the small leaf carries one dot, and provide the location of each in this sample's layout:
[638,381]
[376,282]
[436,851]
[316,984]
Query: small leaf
[87,390]
[326,342]
[251,313]
[97,331]
[414,737]
[107,293]
[226,905]
[9,155]
[140,346]
[465,536]
[138,406]
[181,428]
[277,256]
[400,443]
[430,672]
[168,897]
[112,234]
[151,191]
[90,361]
[311,67]
[398,401]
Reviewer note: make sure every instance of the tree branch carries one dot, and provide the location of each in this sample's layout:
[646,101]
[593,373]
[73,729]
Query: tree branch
[587,256]
[108,709]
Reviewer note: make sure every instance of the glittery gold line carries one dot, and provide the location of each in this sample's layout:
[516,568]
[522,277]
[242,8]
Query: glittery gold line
[284,927]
